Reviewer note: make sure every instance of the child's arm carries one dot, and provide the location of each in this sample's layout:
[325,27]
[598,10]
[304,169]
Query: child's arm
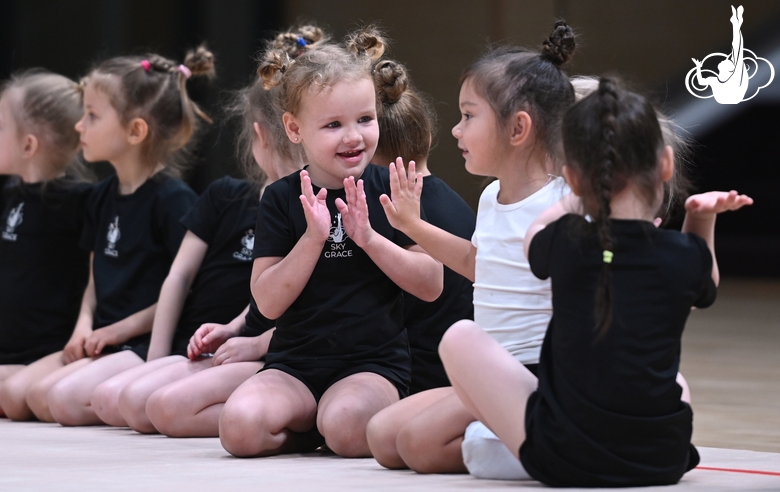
[174,292]
[701,211]
[566,205]
[74,349]
[403,212]
[210,336]
[411,269]
[136,324]
[243,349]
[278,281]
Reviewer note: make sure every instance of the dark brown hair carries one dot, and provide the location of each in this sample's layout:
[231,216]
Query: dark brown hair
[513,79]
[154,88]
[612,138]
[48,106]
[406,118]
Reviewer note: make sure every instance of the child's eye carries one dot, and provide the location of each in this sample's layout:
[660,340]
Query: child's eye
[333,124]
[466,116]
[365,119]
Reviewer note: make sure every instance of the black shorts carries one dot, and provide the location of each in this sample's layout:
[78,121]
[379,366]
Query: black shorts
[318,378]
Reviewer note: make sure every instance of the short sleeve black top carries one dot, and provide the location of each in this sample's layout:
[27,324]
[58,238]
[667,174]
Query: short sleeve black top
[224,218]
[349,309]
[608,410]
[426,322]
[44,271]
[134,238]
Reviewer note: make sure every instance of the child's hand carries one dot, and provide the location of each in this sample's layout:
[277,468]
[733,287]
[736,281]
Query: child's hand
[208,338]
[99,339]
[404,207]
[74,349]
[354,213]
[715,202]
[239,349]
[315,209]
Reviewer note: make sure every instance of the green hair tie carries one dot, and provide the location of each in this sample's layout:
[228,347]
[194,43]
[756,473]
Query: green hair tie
[608,255]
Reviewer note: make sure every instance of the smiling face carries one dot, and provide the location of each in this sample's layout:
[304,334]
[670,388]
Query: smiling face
[477,133]
[103,136]
[11,141]
[338,129]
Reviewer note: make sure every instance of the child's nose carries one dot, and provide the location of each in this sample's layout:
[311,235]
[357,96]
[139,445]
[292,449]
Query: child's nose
[351,136]
[456,131]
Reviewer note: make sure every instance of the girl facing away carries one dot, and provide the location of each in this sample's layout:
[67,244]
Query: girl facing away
[512,101]
[330,269]
[137,115]
[407,124]
[606,409]
[182,396]
[42,210]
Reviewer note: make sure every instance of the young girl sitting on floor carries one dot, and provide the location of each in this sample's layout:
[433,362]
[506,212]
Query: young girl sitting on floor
[137,116]
[42,210]
[330,269]
[606,409]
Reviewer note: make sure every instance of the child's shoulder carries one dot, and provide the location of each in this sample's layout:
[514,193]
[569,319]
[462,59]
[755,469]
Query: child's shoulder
[229,187]
[167,187]
[284,186]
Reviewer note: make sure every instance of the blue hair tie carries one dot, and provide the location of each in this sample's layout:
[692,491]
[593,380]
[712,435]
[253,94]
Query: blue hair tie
[301,42]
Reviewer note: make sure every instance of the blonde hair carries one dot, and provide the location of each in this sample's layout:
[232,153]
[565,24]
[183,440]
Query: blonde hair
[48,106]
[153,88]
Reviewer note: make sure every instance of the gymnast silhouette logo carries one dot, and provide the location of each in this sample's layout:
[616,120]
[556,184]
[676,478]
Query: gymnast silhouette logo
[14,219]
[337,240]
[337,232]
[730,84]
[113,236]
[248,243]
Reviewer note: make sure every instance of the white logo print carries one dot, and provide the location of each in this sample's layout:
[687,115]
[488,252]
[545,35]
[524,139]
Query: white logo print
[337,238]
[113,236]
[730,84]
[14,219]
[248,242]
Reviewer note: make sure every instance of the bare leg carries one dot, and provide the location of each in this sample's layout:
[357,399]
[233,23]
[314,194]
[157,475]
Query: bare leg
[189,406]
[347,406]
[37,395]
[105,398]
[270,413]
[686,391]
[492,385]
[70,399]
[383,428]
[7,371]
[430,442]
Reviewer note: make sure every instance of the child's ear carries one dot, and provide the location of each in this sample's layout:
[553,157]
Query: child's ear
[137,131]
[30,145]
[667,163]
[572,179]
[291,127]
[520,129]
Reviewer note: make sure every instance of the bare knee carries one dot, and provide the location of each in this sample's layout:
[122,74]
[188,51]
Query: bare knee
[12,399]
[381,434]
[64,404]
[416,448]
[343,425]
[163,412]
[38,402]
[105,403]
[242,431]
[458,337]
[132,407]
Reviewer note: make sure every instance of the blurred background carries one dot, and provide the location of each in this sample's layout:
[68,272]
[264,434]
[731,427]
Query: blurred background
[649,43]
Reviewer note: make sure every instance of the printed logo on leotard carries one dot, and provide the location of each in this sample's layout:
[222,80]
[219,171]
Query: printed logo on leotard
[113,236]
[14,219]
[248,242]
[730,83]
[337,240]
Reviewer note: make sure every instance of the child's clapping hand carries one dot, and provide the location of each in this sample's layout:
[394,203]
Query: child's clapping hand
[315,209]
[354,212]
[404,206]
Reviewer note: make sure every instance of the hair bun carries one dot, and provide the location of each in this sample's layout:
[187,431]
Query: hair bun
[559,47]
[368,41]
[200,61]
[390,80]
[298,39]
[273,67]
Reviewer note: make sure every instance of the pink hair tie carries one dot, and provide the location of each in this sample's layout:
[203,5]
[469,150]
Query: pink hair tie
[186,71]
[146,65]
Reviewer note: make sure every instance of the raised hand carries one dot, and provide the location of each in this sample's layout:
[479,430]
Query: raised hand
[715,202]
[315,209]
[208,338]
[404,206]
[354,213]
[696,62]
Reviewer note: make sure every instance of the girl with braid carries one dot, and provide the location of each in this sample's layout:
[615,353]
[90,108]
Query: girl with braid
[512,101]
[606,409]
[137,116]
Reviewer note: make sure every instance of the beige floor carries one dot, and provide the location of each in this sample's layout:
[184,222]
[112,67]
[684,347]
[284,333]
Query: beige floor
[729,357]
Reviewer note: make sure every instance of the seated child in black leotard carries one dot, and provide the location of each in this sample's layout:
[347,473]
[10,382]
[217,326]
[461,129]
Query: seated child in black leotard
[42,209]
[606,409]
[330,269]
